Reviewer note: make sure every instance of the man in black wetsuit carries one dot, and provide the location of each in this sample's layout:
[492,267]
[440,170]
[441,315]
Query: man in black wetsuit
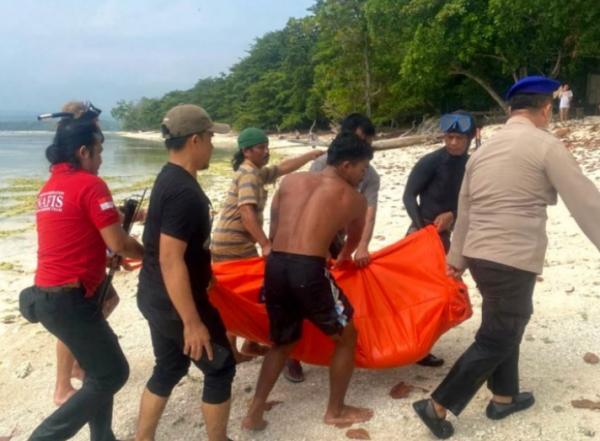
[435,180]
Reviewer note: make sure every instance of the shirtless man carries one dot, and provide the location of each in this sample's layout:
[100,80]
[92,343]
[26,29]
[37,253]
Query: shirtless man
[306,213]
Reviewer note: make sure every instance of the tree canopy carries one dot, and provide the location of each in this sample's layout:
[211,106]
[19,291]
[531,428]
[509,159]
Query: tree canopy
[392,60]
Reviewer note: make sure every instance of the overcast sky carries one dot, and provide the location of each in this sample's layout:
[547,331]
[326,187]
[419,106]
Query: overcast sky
[106,50]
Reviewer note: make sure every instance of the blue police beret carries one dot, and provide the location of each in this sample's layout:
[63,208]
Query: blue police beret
[533,85]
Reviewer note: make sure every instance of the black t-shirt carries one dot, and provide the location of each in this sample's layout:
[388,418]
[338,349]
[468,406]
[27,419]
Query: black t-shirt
[178,208]
[436,181]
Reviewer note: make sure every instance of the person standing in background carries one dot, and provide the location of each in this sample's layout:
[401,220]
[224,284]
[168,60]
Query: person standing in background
[566,97]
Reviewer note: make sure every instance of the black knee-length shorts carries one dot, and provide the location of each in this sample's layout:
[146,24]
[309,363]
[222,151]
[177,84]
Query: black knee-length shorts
[299,287]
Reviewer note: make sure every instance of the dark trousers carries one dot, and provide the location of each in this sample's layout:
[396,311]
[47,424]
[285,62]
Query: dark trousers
[80,325]
[494,356]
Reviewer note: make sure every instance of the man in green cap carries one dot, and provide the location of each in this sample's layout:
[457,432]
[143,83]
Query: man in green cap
[239,226]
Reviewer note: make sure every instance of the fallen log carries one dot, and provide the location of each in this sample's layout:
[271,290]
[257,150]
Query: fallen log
[301,143]
[404,141]
[381,144]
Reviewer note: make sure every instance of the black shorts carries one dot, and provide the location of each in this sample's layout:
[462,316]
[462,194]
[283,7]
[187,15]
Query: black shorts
[299,287]
[171,364]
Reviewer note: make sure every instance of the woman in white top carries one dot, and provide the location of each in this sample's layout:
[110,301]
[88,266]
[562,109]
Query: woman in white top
[566,95]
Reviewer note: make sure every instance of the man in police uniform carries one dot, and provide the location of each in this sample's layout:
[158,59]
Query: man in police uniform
[507,186]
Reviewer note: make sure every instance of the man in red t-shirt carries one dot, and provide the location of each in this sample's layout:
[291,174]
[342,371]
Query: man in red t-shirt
[72,209]
[76,222]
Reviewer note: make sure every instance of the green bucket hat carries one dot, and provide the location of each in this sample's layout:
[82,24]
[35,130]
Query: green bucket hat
[250,137]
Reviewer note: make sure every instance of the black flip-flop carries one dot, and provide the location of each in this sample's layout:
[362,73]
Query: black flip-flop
[441,428]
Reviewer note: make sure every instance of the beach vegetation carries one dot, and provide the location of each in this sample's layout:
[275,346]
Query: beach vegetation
[394,60]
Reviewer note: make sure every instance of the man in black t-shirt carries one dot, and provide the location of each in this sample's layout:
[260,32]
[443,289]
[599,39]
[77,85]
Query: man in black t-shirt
[172,295]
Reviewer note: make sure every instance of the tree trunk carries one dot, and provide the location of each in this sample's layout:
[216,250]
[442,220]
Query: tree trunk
[367,76]
[557,65]
[491,92]
[523,72]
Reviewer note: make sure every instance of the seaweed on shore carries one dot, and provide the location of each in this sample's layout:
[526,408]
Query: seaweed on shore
[22,185]
[22,204]
[9,266]
[15,231]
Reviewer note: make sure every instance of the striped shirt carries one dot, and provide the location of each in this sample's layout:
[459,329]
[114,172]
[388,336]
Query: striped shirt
[230,238]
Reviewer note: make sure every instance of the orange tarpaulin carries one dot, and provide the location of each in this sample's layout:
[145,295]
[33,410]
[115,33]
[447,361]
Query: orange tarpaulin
[403,303]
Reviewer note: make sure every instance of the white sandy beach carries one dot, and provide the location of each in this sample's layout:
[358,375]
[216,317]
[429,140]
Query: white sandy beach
[565,326]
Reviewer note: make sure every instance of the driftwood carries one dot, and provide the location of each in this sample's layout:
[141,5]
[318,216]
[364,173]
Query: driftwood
[301,143]
[404,141]
[381,144]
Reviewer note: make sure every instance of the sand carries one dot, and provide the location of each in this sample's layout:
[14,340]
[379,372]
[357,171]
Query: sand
[564,328]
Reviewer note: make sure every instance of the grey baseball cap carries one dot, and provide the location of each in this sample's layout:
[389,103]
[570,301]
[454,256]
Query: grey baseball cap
[186,119]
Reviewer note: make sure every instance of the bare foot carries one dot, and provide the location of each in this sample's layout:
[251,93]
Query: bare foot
[254,424]
[62,395]
[254,349]
[349,414]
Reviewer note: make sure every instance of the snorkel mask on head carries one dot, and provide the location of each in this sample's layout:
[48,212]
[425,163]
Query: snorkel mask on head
[81,112]
[89,112]
[458,122]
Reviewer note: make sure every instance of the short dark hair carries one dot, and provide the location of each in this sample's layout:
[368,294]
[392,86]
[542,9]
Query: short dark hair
[175,144]
[71,135]
[347,146]
[529,101]
[358,121]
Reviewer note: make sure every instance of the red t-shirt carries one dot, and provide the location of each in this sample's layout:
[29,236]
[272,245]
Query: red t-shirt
[71,209]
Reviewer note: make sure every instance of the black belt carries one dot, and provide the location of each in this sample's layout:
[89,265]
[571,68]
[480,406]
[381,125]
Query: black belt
[59,288]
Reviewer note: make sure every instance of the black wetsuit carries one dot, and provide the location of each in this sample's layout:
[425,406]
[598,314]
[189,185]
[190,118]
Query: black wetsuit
[435,180]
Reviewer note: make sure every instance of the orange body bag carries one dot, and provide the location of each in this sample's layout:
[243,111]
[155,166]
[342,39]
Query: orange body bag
[403,302]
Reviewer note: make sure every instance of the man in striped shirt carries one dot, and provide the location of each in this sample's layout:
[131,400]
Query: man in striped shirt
[239,226]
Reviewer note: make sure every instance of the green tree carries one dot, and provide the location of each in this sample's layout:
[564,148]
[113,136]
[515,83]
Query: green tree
[391,59]
[344,71]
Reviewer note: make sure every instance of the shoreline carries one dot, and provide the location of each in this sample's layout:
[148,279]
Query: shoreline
[284,143]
